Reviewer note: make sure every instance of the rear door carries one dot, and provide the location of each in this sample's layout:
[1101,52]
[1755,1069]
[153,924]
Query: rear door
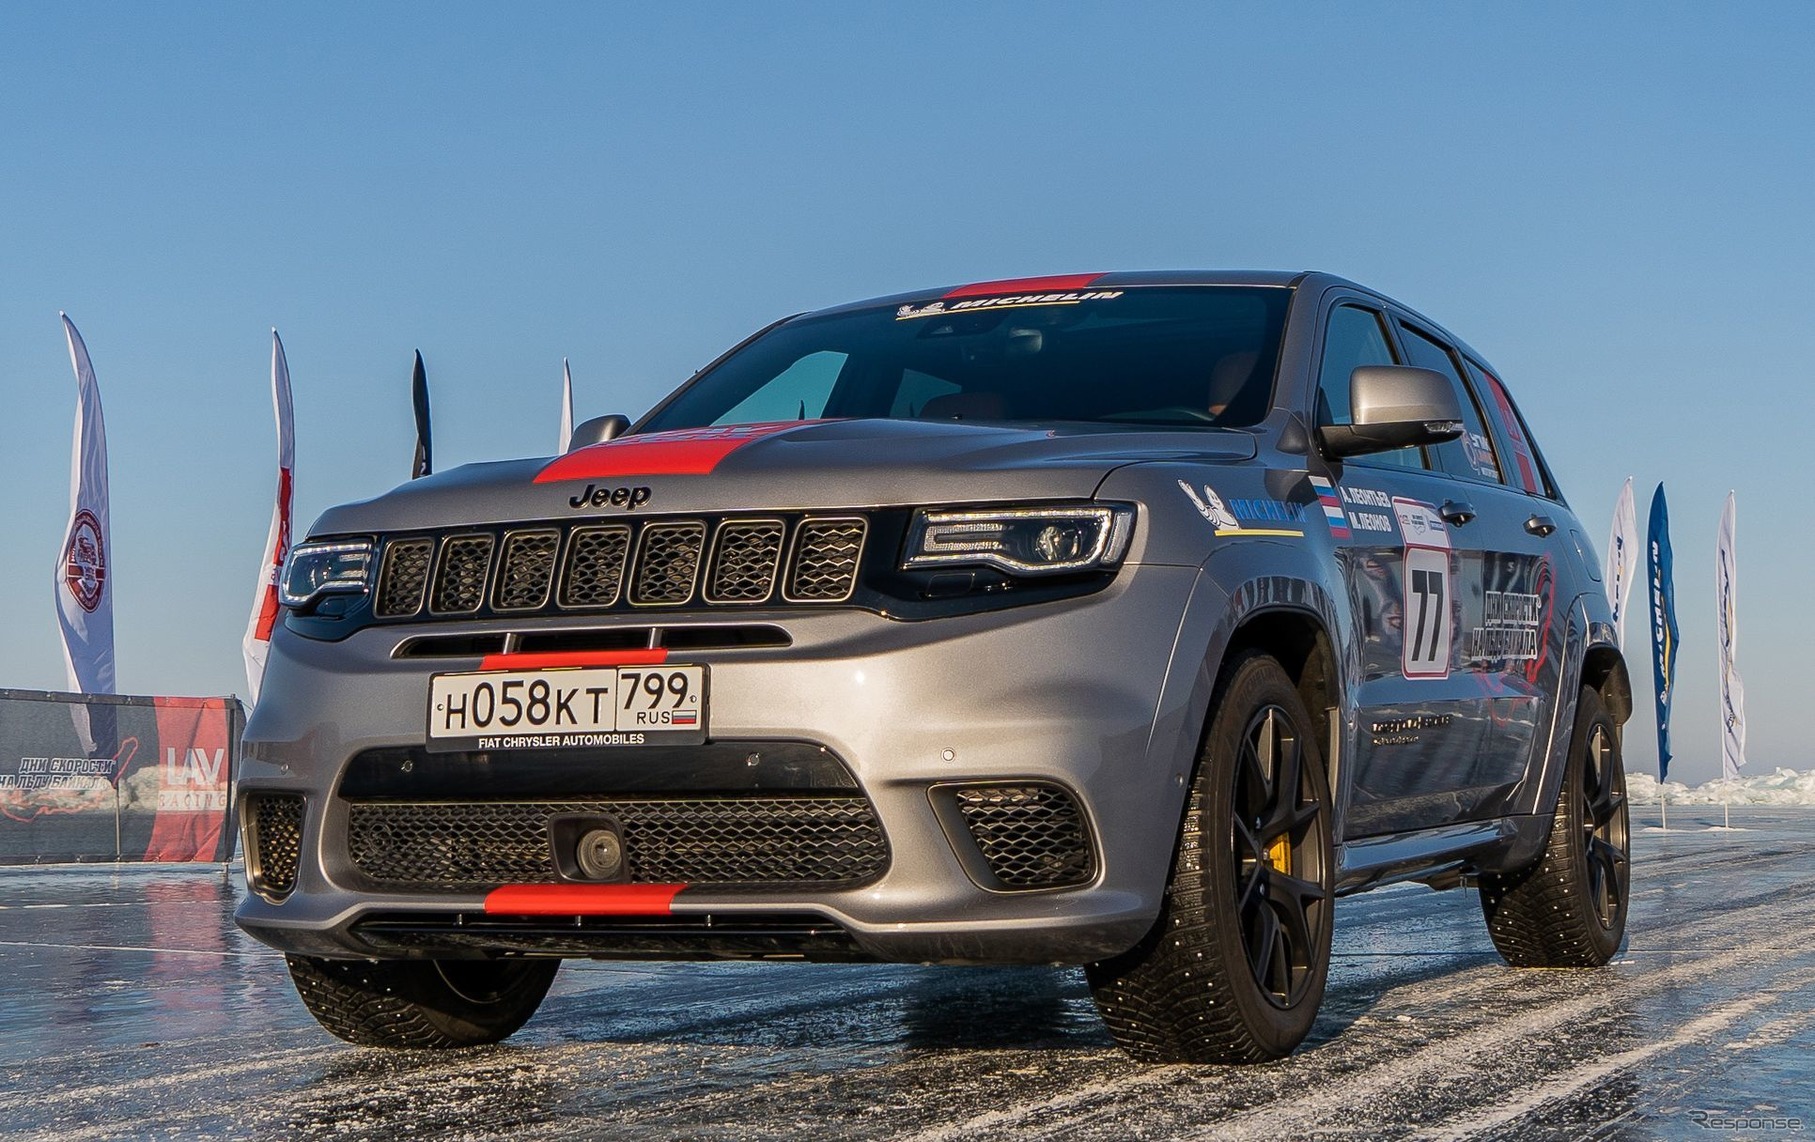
[1504,602]
[1528,679]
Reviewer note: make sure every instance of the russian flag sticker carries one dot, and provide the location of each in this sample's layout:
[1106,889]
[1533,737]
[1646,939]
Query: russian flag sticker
[1332,507]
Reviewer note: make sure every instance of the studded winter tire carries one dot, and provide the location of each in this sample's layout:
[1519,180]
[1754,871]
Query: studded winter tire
[1234,968]
[1568,908]
[421,1004]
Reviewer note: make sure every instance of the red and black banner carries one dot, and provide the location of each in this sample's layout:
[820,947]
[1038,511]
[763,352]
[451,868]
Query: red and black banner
[93,777]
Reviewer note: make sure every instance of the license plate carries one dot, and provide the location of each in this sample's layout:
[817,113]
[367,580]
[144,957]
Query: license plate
[578,708]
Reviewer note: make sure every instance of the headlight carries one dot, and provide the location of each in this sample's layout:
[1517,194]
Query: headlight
[1021,541]
[338,568]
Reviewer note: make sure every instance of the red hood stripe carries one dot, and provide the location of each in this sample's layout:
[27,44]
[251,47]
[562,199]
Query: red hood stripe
[582,899]
[555,659]
[683,452]
[1057,284]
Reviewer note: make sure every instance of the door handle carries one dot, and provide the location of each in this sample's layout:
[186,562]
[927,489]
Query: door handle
[1457,512]
[1540,525]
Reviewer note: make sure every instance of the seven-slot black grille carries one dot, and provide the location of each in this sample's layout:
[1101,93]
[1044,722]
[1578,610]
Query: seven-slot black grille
[796,840]
[620,565]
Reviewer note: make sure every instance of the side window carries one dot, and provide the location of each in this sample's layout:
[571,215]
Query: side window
[1524,469]
[799,392]
[1353,338]
[1471,456]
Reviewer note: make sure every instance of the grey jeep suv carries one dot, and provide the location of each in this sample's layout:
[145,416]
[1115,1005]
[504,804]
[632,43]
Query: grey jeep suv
[1121,620]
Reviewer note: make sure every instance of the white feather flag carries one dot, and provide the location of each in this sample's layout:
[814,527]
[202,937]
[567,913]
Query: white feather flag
[84,582]
[1622,558]
[1732,691]
[257,643]
[566,407]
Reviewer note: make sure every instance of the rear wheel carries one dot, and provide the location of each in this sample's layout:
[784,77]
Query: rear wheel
[1568,908]
[1233,970]
[432,1004]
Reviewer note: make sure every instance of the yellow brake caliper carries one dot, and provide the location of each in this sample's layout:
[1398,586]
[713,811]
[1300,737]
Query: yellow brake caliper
[1279,855]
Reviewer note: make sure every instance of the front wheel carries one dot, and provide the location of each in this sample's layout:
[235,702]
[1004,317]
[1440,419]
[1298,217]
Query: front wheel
[1568,908]
[423,1004]
[1233,970]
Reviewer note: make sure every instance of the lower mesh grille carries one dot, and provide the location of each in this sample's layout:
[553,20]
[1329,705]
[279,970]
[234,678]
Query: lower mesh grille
[273,842]
[1031,836]
[794,841]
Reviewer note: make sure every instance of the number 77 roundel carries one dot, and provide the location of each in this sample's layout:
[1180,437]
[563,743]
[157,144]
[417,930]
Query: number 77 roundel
[1425,618]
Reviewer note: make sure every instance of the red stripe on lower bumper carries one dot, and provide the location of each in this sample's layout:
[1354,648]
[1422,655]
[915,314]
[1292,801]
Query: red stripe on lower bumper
[582,899]
[554,659]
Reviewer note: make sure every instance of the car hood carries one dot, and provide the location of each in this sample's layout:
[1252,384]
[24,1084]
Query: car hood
[793,465]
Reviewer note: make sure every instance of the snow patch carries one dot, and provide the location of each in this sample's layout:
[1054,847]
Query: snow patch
[1783,787]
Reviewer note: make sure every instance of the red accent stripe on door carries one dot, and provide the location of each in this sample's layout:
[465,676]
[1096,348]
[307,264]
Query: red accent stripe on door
[558,658]
[1057,284]
[582,899]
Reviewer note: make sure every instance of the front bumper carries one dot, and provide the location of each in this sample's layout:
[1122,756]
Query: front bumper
[1083,695]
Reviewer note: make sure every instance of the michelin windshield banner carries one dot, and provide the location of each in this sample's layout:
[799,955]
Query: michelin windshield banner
[1663,624]
[155,786]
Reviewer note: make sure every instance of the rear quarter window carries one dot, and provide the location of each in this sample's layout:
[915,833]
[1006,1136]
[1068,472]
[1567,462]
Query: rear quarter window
[1525,469]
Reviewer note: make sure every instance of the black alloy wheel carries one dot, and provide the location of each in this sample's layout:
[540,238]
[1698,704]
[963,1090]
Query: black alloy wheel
[1568,907]
[1280,834]
[1233,969]
[1605,839]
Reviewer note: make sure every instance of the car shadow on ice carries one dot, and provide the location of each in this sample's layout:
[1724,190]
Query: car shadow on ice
[857,1007]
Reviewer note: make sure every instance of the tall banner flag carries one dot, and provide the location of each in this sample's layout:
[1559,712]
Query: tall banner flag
[84,582]
[257,643]
[1622,559]
[419,396]
[1732,692]
[566,407]
[1663,624]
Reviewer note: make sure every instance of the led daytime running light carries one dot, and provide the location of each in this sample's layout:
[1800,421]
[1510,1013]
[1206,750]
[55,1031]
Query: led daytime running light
[317,569]
[1022,541]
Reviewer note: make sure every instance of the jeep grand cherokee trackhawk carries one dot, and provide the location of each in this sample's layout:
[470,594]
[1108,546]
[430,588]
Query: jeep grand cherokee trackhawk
[1121,620]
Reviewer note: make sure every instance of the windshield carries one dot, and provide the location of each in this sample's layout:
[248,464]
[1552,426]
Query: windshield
[1175,356]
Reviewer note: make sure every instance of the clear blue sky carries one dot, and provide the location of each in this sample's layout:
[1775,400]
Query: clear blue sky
[1613,202]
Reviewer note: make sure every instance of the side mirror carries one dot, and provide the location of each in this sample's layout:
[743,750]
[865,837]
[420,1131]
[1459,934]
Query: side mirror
[1394,406]
[597,431]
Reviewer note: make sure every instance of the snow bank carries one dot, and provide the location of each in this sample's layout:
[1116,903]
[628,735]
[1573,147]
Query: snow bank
[1784,787]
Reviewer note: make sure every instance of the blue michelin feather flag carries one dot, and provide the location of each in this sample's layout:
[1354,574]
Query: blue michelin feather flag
[1663,624]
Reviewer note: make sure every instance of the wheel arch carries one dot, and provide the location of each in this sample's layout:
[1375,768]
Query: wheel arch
[1298,640]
